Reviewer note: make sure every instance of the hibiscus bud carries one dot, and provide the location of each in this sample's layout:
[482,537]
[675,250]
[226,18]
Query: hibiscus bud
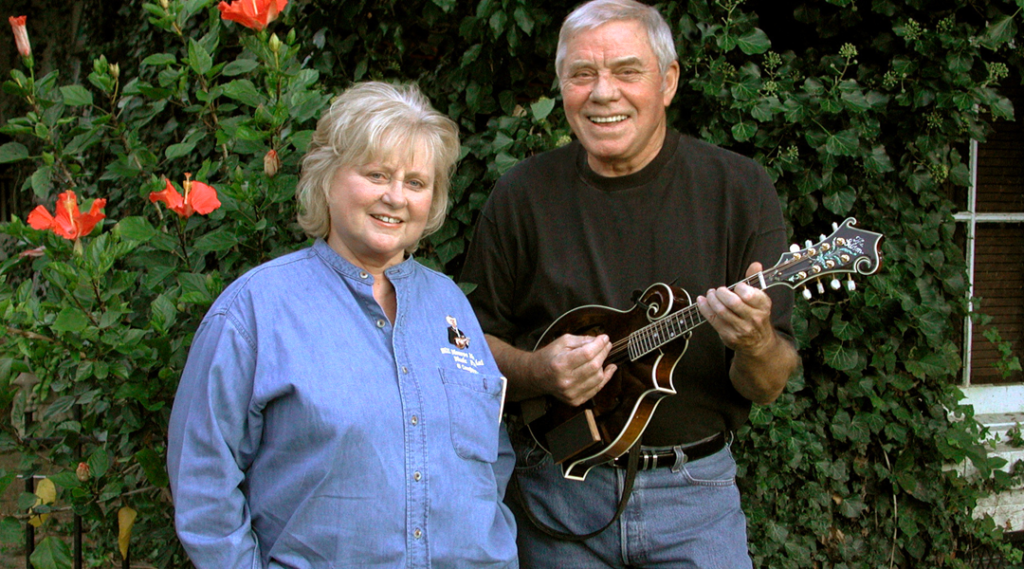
[165,4]
[37,252]
[115,71]
[271,163]
[82,472]
[20,35]
[275,43]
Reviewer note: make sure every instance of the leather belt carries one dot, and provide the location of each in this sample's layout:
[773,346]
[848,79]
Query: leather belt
[650,459]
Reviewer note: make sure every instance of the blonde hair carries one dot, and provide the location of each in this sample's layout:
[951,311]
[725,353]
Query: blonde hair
[375,122]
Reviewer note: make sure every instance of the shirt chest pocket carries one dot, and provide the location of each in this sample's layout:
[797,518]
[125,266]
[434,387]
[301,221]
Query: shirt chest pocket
[474,405]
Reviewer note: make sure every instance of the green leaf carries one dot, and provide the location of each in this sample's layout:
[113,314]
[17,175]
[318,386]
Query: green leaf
[243,91]
[541,108]
[498,21]
[70,319]
[66,479]
[135,229]
[840,357]
[503,161]
[754,42]
[198,59]
[220,239]
[959,62]
[12,152]
[159,59]
[59,406]
[523,19]
[742,131]
[931,365]
[163,313]
[306,105]
[999,32]
[840,202]
[178,150]
[76,96]
[51,553]
[42,181]
[878,161]
[153,465]
[5,480]
[240,66]
[843,143]
[11,532]
[99,462]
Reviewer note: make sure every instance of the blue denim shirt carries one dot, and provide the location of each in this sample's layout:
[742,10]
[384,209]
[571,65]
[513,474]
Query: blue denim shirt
[309,432]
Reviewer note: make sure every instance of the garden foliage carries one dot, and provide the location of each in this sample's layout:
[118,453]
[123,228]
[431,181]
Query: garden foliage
[855,107]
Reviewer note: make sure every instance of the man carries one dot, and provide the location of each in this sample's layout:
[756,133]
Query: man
[628,204]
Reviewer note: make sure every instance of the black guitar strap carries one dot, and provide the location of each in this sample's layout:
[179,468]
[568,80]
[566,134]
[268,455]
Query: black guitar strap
[627,489]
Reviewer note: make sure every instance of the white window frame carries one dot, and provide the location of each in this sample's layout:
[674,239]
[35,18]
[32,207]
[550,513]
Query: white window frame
[998,407]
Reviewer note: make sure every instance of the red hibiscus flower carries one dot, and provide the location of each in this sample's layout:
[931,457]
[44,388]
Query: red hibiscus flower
[68,222]
[20,35]
[254,14]
[199,198]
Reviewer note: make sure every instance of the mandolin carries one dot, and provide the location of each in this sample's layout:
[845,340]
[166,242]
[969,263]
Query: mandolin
[650,339]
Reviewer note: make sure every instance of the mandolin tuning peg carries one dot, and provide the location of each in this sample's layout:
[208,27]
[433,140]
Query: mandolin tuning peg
[806,293]
[835,226]
[821,288]
[821,237]
[835,284]
[808,244]
[794,248]
[850,284]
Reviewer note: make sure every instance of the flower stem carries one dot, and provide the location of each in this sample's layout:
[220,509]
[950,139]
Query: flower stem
[181,241]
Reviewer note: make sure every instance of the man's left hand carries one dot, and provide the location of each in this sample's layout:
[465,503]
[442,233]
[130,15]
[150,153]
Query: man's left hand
[742,316]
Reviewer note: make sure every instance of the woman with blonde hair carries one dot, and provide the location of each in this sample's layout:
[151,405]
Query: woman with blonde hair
[327,417]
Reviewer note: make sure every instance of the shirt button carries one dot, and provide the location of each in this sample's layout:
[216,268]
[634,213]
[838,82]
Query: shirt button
[363,274]
[380,323]
[417,534]
[415,420]
[405,369]
[417,476]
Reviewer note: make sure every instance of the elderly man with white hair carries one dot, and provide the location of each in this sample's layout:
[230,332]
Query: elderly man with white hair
[630,203]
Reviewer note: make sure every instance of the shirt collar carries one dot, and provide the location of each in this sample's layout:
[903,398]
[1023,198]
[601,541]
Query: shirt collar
[347,269]
[645,175]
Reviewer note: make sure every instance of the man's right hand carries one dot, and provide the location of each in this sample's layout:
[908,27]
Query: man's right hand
[570,369]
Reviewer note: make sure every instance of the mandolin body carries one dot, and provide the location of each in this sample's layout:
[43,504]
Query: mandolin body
[606,426]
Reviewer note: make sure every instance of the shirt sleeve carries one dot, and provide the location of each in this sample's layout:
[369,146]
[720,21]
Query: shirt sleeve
[769,245]
[212,438]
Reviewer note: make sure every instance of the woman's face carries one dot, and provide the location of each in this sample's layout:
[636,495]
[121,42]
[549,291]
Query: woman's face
[380,209]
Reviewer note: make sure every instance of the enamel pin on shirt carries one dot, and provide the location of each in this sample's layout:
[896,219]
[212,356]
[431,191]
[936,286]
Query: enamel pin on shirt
[455,336]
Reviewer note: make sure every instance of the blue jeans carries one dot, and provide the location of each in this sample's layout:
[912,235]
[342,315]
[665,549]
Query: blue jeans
[686,516]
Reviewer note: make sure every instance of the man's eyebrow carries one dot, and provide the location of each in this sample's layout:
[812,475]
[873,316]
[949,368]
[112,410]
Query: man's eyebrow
[627,60]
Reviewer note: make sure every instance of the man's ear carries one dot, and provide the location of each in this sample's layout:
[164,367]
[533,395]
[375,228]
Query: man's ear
[669,83]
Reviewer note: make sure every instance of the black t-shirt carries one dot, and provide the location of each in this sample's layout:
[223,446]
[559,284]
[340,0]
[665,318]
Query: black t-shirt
[555,235]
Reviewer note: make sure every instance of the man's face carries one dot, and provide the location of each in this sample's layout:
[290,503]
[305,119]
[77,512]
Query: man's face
[615,96]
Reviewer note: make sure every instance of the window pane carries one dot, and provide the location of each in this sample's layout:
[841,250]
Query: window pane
[999,282]
[1001,163]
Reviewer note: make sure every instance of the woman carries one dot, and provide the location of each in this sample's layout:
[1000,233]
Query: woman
[326,417]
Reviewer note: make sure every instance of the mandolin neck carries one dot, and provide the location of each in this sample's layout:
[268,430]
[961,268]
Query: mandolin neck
[676,325]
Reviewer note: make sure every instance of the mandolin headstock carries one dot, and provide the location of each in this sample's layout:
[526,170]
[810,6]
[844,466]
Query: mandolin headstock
[847,250]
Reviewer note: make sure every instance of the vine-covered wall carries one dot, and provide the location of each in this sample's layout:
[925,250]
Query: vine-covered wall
[857,108]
